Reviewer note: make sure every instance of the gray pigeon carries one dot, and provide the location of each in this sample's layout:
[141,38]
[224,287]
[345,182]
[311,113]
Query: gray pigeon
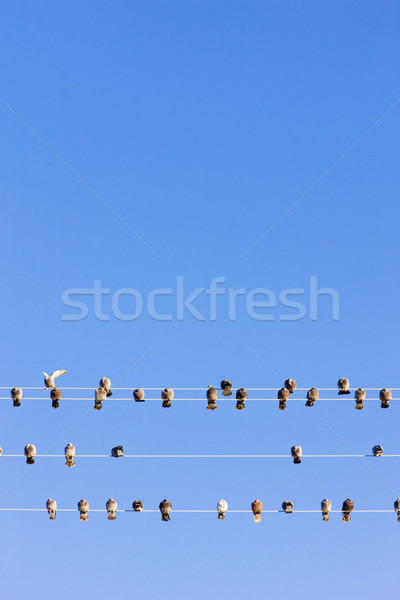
[49,379]
[117,452]
[226,387]
[290,384]
[326,506]
[212,396]
[222,508]
[347,507]
[111,507]
[165,509]
[167,395]
[138,394]
[283,396]
[359,396]
[287,506]
[343,386]
[16,395]
[241,396]
[51,506]
[397,508]
[297,453]
[99,395]
[83,507]
[385,396]
[137,505]
[377,451]
[69,451]
[30,453]
[312,396]
[55,395]
[105,384]
[256,507]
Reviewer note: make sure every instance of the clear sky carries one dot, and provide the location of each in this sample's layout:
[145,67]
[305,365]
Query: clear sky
[195,125]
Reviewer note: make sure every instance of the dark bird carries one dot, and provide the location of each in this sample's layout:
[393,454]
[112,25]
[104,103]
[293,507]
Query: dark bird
[167,395]
[55,395]
[312,396]
[99,395]
[297,453]
[111,506]
[51,506]
[256,507]
[241,396]
[138,394]
[326,506]
[343,386]
[117,451]
[137,505]
[83,507]
[283,396]
[347,507]
[49,379]
[397,508]
[385,396]
[69,455]
[16,395]
[30,453]
[359,396]
[212,396]
[290,384]
[377,451]
[165,509]
[226,387]
[287,506]
[222,508]
[105,384]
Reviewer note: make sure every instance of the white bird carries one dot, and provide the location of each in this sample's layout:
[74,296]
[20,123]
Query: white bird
[167,395]
[51,506]
[83,507]
[99,396]
[326,506]
[222,507]
[16,395]
[30,453]
[69,451]
[105,384]
[111,507]
[49,379]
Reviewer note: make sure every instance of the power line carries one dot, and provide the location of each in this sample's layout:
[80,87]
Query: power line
[204,456]
[199,389]
[290,400]
[130,510]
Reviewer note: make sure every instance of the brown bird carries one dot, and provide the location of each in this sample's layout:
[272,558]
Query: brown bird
[16,395]
[212,396]
[385,396]
[51,506]
[377,451]
[165,509]
[222,508]
[117,452]
[167,395]
[30,453]
[99,395]
[347,507]
[256,507]
[137,505]
[83,507]
[241,396]
[287,506]
[397,508]
[55,395]
[49,379]
[312,396]
[283,396]
[359,396]
[297,453]
[326,506]
[69,455]
[290,384]
[111,506]
[138,394]
[105,384]
[343,386]
[226,387]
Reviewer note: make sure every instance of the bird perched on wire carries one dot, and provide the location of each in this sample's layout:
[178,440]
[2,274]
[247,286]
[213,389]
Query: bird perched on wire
[359,396]
[226,387]
[297,453]
[222,508]
[55,395]
[16,395]
[290,384]
[312,396]
[241,396]
[49,379]
[165,509]
[326,506]
[83,507]
[343,386]
[283,396]
[111,506]
[137,505]
[117,452]
[105,384]
[256,507]
[51,506]
[397,508]
[167,395]
[138,394]
[1,451]
[385,396]
[30,453]
[99,395]
[347,507]
[69,451]
[212,396]
[287,507]
[377,451]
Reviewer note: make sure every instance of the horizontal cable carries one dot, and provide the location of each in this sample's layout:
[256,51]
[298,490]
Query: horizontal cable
[199,389]
[120,510]
[290,400]
[204,456]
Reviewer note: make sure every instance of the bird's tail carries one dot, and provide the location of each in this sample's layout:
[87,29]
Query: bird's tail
[257,518]
[325,517]
[227,392]
[166,403]
[69,462]
[240,405]
[297,460]
[56,404]
[17,402]
[30,460]
[221,516]
[52,514]
[212,406]
[84,516]
[341,392]
[282,404]
[359,405]
[98,406]
[111,516]
[310,403]
[385,404]
[165,517]
[346,517]
[398,517]
[109,393]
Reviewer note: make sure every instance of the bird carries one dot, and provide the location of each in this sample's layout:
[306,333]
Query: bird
[51,506]
[137,505]
[347,507]
[138,394]
[167,395]
[256,507]
[117,451]
[312,396]
[16,395]
[297,454]
[359,396]
[105,384]
[1,451]
[30,453]
[222,507]
[287,506]
[165,509]
[83,507]
[69,455]
[99,395]
[226,387]
[241,396]
[49,379]
[290,384]
[55,395]
[377,451]
[326,506]
[111,506]
[385,396]
[212,396]
[343,386]
[283,395]
[397,508]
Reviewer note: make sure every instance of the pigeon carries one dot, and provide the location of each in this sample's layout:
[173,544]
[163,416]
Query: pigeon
[30,453]
[1,451]
[212,396]
[283,395]
[385,395]
[290,384]
[51,506]
[241,396]
[226,387]
[16,395]
[137,505]
[69,455]
[167,396]
[111,506]
[287,506]
[326,506]
[49,379]
[105,384]
[55,395]
[165,509]
[347,507]
[222,507]
[297,454]
[359,396]
[397,508]
[99,395]
[343,386]
[312,396]
[117,451]
[256,507]
[83,507]
[377,451]
[138,394]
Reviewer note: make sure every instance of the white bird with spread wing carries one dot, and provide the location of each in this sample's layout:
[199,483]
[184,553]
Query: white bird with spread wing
[49,379]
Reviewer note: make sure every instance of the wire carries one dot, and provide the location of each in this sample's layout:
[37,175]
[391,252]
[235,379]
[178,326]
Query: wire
[203,456]
[274,389]
[290,400]
[120,510]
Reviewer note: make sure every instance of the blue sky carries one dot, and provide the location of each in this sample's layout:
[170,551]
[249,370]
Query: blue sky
[199,124]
